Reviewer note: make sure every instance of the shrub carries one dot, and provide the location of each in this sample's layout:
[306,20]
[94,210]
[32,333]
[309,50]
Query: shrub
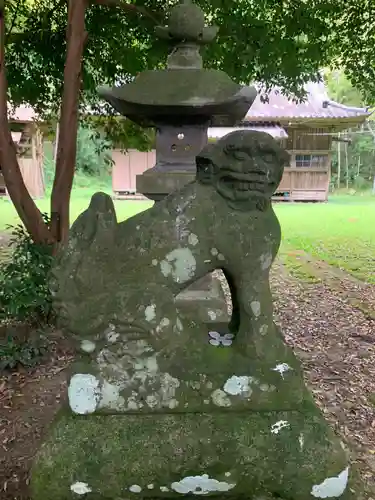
[24,290]
[93,152]
[361,184]
[27,352]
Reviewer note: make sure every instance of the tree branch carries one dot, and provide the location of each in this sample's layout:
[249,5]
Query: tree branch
[120,4]
[127,7]
[12,23]
[76,36]
[23,203]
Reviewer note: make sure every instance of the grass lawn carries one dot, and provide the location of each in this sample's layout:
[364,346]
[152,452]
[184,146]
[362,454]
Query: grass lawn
[340,232]
[80,201]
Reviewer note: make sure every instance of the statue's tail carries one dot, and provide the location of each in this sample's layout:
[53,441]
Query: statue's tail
[96,225]
[76,268]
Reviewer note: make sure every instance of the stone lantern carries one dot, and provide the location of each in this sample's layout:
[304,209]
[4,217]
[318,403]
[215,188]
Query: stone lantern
[181,102]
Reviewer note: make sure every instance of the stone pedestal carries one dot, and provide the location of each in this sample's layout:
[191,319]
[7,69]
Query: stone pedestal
[154,456]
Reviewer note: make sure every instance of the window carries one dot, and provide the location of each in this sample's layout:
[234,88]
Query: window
[317,161]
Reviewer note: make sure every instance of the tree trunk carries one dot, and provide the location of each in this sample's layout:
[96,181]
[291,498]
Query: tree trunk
[339,162]
[67,142]
[24,204]
[346,165]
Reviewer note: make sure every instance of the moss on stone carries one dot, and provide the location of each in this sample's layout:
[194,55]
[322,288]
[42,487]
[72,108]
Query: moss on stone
[112,453]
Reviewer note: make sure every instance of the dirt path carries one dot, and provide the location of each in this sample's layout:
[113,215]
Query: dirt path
[359,294]
[332,336]
[28,403]
[335,342]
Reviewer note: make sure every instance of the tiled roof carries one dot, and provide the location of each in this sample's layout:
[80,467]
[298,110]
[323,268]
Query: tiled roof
[316,105]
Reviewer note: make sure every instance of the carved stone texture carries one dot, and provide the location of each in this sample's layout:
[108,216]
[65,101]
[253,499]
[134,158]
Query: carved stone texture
[159,405]
[188,32]
[187,24]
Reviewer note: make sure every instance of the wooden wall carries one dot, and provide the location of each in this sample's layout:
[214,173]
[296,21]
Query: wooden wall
[308,175]
[126,166]
[307,139]
[30,159]
[306,178]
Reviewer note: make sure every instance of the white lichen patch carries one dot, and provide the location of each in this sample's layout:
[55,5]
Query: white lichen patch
[221,256]
[264,387]
[228,474]
[214,251]
[88,346]
[193,239]
[150,486]
[263,329]
[83,393]
[80,488]
[133,404]
[152,401]
[220,398]
[281,424]
[332,487]
[164,323]
[180,264]
[145,367]
[164,489]
[168,387]
[112,336]
[255,307]
[110,396]
[132,370]
[179,325]
[154,262]
[150,312]
[110,333]
[301,441]
[211,315]
[165,396]
[195,385]
[238,385]
[281,368]
[265,261]
[135,488]
[200,485]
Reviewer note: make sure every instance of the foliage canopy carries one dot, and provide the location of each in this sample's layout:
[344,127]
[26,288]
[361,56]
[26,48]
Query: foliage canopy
[273,42]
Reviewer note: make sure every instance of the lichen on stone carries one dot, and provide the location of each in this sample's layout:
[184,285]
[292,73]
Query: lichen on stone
[200,485]
[220,398]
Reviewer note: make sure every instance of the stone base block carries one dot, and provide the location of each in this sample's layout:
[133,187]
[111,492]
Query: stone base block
[251,455]
[204,301]
[157,185]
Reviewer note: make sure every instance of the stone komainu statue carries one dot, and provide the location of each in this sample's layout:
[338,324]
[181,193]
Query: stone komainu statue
[159,406]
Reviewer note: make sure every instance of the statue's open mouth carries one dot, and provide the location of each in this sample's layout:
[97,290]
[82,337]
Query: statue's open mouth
[236,185]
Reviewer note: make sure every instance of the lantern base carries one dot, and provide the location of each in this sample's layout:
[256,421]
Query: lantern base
[156,185]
